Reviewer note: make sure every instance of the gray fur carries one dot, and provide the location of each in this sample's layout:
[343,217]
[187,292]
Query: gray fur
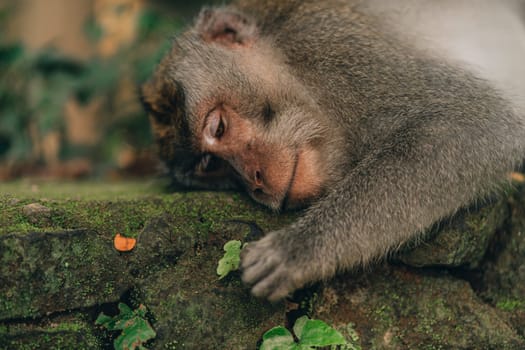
[408,136]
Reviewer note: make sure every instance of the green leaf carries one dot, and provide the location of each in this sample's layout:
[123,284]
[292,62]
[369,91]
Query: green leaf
[231,259]
[103,319]
[278,338]
[141,311]
[124,309]
[299,325]
[136,332]
[318,333]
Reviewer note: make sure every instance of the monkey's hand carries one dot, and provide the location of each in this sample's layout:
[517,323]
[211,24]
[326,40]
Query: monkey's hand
[276,266]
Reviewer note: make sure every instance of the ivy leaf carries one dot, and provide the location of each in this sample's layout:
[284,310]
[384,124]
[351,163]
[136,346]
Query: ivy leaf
[124,309]
[278,338]
[106,321]
[136,330]
[299,325]
[231,259]
[317,333]
[312,334]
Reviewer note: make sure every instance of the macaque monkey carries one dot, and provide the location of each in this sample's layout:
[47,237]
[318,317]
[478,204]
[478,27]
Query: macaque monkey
[378,117]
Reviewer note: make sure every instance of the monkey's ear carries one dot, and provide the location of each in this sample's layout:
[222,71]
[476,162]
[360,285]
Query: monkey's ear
[163,101]
[226,26]
[155,102]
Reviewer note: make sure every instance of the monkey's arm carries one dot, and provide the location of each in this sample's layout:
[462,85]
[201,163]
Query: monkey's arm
[417,176]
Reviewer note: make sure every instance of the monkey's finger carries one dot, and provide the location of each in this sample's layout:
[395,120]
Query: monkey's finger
[274,286]
[260,269]
[280,293]
[253,253]
[247,259]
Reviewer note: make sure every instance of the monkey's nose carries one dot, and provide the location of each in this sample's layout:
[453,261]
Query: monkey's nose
[258,179]
[255,180]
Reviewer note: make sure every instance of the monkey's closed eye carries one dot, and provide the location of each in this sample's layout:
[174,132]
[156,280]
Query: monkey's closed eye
[220,129]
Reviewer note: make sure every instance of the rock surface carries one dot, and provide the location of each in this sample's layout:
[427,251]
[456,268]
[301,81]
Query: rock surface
[461,240]
[59,270]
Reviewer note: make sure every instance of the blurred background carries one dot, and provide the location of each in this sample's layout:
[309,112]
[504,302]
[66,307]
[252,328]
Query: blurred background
[69,77]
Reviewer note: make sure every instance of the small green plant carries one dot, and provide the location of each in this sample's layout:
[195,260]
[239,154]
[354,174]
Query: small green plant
[311,334]
[136,330]
[231,259]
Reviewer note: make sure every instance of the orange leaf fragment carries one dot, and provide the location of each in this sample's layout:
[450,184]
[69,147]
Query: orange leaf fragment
[124,244]
[517,177]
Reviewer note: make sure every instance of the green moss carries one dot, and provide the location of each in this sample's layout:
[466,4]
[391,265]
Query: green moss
[210,313]
[64,255]
[63,258]
[510,305]
[66,332]
[110,208]
[80,190]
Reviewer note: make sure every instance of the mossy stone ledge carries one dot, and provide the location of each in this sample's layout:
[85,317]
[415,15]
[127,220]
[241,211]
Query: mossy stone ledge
[59,270]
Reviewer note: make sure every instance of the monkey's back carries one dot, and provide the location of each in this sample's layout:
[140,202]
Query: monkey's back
[487,37]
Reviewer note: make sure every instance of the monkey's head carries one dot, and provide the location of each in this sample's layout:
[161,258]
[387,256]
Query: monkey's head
[226,111]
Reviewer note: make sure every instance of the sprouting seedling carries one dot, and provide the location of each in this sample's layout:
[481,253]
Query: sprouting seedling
[231,259]
[135,328]
[310,333]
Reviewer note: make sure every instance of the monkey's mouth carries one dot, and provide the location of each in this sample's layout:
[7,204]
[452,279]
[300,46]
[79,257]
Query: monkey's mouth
[303,185]
[306,180]
[287,201]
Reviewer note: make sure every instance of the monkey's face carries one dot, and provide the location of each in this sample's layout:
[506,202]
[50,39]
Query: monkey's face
[226,113]
[275,173]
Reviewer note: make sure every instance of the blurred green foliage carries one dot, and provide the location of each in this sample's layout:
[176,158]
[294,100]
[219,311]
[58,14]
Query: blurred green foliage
[33,89]
[14,113]
[35,86]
